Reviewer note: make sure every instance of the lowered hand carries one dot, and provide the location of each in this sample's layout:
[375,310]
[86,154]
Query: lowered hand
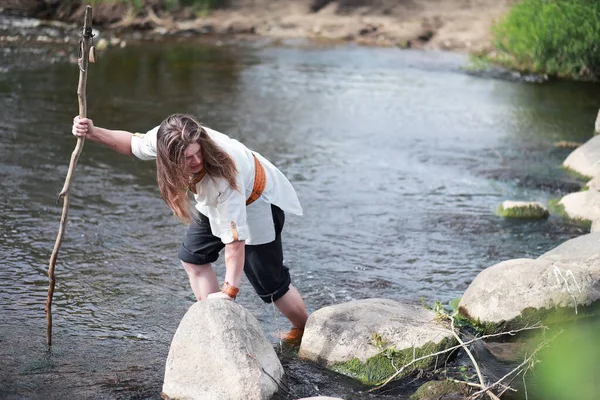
[218,296]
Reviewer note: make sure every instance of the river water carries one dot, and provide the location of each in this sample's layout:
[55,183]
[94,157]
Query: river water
[399,158]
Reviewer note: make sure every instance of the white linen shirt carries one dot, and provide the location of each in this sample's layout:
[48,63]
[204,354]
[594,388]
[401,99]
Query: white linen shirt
[226,207]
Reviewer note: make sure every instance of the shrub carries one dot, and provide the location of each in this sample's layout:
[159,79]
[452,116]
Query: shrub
[556,37]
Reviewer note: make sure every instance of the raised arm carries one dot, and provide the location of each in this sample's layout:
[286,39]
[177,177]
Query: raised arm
[118,140]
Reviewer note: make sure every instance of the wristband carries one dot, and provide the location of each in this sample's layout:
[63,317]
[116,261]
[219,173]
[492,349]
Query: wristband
[230,290]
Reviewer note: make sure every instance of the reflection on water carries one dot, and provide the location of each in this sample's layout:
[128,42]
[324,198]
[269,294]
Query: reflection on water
[398,157]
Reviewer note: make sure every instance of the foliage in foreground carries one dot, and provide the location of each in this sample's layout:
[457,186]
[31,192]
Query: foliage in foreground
[569,369]
[555,37]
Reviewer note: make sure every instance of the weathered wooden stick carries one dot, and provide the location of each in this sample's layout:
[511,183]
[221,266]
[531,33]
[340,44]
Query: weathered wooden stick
[84,52]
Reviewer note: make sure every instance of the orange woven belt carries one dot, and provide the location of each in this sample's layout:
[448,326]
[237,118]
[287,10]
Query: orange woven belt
[260,181]
[199,176]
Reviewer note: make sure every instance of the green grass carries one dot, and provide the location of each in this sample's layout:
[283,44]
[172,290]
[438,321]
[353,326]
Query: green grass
[554,37]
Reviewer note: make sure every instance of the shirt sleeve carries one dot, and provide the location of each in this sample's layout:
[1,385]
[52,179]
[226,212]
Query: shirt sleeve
[143,145]
[231,210]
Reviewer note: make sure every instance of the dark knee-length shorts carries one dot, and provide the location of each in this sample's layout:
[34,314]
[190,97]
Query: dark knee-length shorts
[263,263]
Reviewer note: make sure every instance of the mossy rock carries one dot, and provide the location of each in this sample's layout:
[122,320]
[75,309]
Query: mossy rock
[532,316]
[370,339]
[558,286]
[440,390]
[375,370]
[523,210]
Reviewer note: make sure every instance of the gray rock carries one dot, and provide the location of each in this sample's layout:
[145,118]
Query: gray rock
[581,251]
[350,337]
[594,184]
[220,352]
[521,292]
[441,390]
[597,127]
[586,159]
[582,205]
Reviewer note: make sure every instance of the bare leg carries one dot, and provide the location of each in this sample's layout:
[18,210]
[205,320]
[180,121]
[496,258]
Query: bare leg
[203,279]
[292,306]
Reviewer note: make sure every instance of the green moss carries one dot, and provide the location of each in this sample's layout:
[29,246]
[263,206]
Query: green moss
[438,389]
[577,175]
[523,212]
[377,369]
[559,210]
[453,304]
[556,208]
[531,316]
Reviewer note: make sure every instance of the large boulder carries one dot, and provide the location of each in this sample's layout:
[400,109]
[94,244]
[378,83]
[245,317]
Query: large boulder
[369,339]
[582,251]
[220,352]
[582,205]
[563,283]
[585,159]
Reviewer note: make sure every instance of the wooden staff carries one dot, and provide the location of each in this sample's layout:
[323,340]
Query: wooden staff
[85,51]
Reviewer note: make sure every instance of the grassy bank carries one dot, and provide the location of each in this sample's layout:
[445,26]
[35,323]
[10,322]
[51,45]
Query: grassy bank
[555,37]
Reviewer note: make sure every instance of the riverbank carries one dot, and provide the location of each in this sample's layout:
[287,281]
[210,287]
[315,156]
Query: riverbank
[452,25]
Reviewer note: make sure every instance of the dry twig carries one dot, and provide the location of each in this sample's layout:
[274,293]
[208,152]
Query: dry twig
[519,367]
[450,349]
[491,395]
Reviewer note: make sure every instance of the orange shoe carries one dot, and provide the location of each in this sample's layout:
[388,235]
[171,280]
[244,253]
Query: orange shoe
[292,337]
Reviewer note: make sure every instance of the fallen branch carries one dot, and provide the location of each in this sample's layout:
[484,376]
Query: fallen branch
[450,349]
[518,368]
[84,53]
[475,365]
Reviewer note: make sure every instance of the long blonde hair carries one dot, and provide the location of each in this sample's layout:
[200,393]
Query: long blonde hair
[174,135]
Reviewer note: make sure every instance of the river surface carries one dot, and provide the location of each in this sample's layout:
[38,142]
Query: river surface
[400,159]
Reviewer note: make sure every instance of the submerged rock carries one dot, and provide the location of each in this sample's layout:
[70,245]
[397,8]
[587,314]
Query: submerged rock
[320,398]
[562,284]
[369,339]
[523,209]
[220,352]
[441,390]
[565,144]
